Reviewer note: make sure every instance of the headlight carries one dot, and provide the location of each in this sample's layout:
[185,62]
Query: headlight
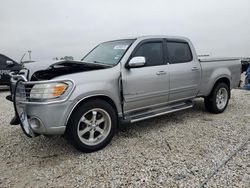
[48,90]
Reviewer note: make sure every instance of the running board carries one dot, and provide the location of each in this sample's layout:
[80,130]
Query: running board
[159,112]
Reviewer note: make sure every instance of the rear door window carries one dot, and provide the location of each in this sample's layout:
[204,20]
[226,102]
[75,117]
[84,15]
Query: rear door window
[178,52]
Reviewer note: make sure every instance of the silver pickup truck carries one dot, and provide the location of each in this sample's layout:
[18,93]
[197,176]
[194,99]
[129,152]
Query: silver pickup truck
[118,82]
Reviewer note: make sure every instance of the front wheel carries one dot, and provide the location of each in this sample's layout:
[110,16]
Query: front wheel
[92,125]
[218,100]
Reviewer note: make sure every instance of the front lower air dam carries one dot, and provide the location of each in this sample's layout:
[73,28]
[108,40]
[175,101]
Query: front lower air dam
[18,97]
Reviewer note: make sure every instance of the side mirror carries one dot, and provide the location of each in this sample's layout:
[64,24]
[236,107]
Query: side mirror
[138,61]
[9,63]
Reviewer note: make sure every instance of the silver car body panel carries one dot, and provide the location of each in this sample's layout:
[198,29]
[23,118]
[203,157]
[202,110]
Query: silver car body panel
[214,69]
[141,87]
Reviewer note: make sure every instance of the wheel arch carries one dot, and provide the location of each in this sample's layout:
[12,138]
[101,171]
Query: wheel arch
[88,98]
[225,80]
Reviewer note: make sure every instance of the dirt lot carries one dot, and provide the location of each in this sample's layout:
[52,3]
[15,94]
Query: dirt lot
[190,148]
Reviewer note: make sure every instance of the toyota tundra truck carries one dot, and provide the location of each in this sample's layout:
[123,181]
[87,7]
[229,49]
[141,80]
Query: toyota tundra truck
[118,82]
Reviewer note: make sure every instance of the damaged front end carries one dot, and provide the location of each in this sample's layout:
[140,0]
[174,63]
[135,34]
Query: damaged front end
[40,97]
[31,100]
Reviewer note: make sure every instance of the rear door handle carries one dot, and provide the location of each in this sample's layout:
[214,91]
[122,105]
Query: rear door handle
[195,69]
[161,73]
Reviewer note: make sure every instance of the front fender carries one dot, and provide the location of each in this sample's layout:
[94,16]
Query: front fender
[86,91]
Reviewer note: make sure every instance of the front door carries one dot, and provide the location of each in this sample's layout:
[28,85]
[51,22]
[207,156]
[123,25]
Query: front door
[147,86]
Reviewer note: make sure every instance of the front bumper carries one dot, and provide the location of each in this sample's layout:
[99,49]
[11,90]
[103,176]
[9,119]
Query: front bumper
[48,118]
[51,117]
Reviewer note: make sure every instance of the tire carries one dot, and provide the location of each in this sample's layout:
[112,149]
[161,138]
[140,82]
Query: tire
[218,99]
[92,125]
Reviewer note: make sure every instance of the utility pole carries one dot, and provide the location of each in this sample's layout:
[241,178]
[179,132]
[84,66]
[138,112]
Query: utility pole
[29,54]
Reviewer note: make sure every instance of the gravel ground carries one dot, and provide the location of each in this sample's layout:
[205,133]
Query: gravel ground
[176,150]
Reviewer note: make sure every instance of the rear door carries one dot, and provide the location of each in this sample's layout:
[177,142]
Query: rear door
[184,71]
[147,86]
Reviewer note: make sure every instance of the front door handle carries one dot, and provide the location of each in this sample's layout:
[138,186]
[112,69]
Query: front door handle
[195,69]
[161,73]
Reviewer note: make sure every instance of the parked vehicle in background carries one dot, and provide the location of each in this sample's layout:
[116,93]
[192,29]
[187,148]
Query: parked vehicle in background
[7,65]
[119,82]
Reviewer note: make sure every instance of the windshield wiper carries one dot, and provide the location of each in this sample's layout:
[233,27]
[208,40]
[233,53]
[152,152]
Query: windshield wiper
[101,63]
[96,63]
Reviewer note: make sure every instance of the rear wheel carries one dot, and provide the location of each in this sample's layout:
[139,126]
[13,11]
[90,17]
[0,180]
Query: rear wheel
[218,100]
[92,125]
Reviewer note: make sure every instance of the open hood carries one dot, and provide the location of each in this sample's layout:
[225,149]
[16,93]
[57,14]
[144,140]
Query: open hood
[51,69]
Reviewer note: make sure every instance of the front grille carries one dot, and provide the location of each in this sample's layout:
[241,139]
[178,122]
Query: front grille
[24,90]
[18,83]
[21,94]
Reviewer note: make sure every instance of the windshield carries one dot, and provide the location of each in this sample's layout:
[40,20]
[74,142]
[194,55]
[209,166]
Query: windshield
[109,53]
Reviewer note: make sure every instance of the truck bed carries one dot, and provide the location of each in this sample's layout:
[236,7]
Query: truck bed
[214,68]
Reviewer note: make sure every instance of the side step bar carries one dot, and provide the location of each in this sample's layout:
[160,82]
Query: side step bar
[161,111]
